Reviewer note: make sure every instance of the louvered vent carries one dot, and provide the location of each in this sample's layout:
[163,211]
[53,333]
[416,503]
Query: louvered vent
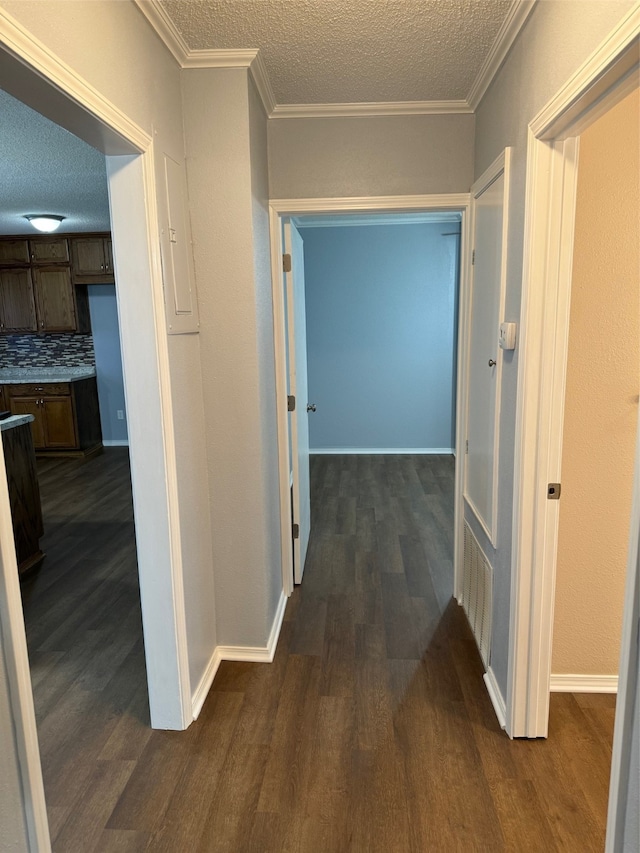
[477,592]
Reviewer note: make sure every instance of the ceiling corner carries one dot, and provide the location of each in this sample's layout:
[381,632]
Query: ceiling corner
[165,28]
[507,34]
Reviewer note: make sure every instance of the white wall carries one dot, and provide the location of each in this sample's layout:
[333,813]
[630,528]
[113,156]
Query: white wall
[226,158]
[368,156]
[113,48]
[555,41]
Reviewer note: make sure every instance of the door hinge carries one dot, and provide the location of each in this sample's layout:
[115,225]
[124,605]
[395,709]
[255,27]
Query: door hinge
[295,531]
[291,403]
[553,491]
[466,446]
[473,257]
[286,262]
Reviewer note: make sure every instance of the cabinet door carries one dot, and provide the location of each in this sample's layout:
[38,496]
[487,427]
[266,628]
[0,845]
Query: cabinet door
[55,301]
[59,422]
[49,251]
[88,256]
[108,255]
[30,406]
[17,307]
[14,252]
[3,399]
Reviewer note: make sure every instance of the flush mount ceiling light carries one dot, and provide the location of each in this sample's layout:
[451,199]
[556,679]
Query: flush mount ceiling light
[46,222]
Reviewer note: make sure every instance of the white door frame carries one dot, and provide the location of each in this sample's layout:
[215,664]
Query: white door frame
[603,80]
[279,208]
[49,86]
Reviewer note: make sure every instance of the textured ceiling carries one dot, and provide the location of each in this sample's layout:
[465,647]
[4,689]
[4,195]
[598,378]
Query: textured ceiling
[349,51]
[45,169]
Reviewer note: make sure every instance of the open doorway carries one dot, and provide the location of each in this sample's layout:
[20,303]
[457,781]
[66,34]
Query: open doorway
[447,205]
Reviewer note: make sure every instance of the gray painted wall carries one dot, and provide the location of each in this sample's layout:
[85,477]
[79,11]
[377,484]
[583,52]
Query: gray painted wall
[13,827]
[380,303]
[383,155]
[557,38]
[106,345]
[226,164]
[631,843]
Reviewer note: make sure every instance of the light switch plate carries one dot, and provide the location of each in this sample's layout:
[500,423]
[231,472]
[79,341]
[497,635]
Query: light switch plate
[507,337]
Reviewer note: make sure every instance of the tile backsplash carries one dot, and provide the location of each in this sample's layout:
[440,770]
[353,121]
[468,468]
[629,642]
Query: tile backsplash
[46,351]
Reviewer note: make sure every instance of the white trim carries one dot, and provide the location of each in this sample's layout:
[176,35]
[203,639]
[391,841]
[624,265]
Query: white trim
[19,42]
[115,442]
[507,34]
[259,654]
[279,208]
[495,694]
[547,258]
[163,24]
[204,686]
[252,58]
[583,684]
[610,64]
[347,220]
[381,451]
[14,646]
[373,108]
[251,654]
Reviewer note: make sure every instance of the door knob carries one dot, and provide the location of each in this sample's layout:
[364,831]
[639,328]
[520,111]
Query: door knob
[311,407]
[492,363]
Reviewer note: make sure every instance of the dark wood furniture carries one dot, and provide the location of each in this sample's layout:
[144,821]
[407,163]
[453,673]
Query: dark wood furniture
[24,495]
[92,259]
[66,415]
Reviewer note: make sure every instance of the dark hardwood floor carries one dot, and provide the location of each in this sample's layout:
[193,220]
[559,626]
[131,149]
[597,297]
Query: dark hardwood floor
[371,731]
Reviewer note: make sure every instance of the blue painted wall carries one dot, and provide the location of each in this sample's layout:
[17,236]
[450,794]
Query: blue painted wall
[381,307]
[106,343]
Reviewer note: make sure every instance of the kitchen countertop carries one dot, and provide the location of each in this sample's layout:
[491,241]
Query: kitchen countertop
[15,421]
[18,375]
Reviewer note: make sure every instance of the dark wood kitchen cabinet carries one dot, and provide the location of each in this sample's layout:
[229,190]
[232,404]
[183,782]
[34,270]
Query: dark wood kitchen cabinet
[17,301]
[14,251]
[66,415]
[92,260]
[24,495]
[52,250]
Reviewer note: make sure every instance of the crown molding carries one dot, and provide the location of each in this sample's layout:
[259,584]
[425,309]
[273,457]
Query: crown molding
[382,108]
[155,13]
[507,34]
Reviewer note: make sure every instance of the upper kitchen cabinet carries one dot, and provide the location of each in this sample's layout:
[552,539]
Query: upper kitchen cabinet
[14,252]
[92,260]
[49,251]
[17,301]
[59,306]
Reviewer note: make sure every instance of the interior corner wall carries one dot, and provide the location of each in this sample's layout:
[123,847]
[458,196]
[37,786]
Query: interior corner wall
[134,71]
[370,156]
[601,398]
[227,186]
[380,304]
[557,38]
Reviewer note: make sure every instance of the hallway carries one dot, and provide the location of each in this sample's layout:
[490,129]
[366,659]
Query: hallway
[371,731]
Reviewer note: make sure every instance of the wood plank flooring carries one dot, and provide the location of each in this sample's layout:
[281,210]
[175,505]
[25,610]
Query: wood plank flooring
[371,731]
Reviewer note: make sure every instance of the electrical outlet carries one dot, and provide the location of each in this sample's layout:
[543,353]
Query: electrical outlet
[120,414]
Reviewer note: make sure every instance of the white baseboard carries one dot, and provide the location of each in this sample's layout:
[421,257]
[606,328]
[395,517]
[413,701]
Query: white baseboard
[497,700]
[115,442]
[583,684]
[250,654]
[381,451]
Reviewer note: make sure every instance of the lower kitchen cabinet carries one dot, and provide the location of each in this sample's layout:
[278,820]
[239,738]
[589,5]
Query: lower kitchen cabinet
[66,415]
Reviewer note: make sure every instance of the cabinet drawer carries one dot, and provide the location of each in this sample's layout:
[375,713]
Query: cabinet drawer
[47,389]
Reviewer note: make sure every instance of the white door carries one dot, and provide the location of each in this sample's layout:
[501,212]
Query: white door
[489,217]
[299,418]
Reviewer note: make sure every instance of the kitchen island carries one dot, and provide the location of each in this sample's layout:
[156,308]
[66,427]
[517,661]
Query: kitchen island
[64,405]
[24,491]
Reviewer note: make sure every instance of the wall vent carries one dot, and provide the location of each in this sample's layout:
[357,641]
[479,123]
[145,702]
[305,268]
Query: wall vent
[477,593]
